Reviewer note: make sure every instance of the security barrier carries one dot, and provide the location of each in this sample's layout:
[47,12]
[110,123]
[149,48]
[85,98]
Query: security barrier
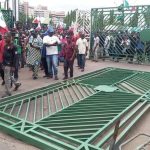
[123,33]
[78,114]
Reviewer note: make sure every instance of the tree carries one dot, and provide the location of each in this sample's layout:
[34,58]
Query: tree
[134,19]
[112,17]
[22,17]
[101,20]
[70,17]
[147,17]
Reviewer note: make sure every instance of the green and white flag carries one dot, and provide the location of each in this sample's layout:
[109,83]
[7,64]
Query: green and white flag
[126,4]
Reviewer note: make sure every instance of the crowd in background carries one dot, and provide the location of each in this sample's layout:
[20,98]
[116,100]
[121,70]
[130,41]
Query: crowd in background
[45,48]
[120,45]
[40,48]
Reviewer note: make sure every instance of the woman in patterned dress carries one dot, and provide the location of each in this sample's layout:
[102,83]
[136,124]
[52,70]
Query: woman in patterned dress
[34,56]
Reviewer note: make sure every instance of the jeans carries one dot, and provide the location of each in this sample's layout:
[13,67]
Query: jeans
[44,63]
[1,71]
[16,76]
[82,61]
[22,59]
[9,79]
[96,53]
[78,61]
[68,65]
[52,63]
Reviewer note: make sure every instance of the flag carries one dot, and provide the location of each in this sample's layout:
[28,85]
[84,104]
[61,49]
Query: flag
[38,28]
[36,20]
[126,4]
[3,26]
[133,8]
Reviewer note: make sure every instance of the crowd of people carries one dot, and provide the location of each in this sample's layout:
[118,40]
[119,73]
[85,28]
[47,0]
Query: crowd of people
[46,48]
[39,49]
[120,45]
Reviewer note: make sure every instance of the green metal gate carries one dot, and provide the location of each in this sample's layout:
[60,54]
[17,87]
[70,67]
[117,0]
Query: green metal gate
[78,114]
[8,16]
[126,31]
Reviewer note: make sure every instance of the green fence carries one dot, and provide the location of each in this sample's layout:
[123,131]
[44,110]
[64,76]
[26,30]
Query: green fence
[8,16]
[78,114]
[123,32]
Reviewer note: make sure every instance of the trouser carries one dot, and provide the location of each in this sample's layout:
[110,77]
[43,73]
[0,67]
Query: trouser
[82,61]
[130,53]
[78,60]
[68,65]
[1,72]
[35,69]
[44,63]
[22,58]
[96,53]
[16,76]
[140,55]
[52,63]
[9,79]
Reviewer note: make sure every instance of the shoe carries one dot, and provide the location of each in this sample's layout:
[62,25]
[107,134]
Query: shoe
[71,78]
[130,62]
[46,76]
[3,83]
[82,70]
[56,78]
[49,77]
[65,78]
[6,95]
[17,86]
[35,78]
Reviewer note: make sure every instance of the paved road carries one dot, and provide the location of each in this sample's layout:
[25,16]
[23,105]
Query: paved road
[9,143]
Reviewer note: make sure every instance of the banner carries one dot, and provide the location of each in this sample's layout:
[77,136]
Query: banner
[3,26]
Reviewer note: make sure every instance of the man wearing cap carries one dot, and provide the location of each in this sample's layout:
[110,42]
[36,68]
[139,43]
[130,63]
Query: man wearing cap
[82,47]
[51,42]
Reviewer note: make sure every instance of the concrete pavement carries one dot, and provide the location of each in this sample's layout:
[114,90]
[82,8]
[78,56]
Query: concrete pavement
[9,143]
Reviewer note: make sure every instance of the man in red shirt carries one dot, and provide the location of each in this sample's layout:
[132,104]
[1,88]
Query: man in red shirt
[2,43]
[69,55]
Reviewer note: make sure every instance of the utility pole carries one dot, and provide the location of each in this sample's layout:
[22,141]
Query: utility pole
[15,8]
[7,4]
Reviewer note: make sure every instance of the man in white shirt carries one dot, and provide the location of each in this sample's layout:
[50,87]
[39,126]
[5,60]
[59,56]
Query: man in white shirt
[82,47]
[107,45]
[51,42]
[96,47]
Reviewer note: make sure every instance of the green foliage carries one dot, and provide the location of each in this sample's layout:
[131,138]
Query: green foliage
[147,17]
[30,19]
[121,7]
[112,17]
[98,20]
[22,17]
[70,17]
[134,19]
